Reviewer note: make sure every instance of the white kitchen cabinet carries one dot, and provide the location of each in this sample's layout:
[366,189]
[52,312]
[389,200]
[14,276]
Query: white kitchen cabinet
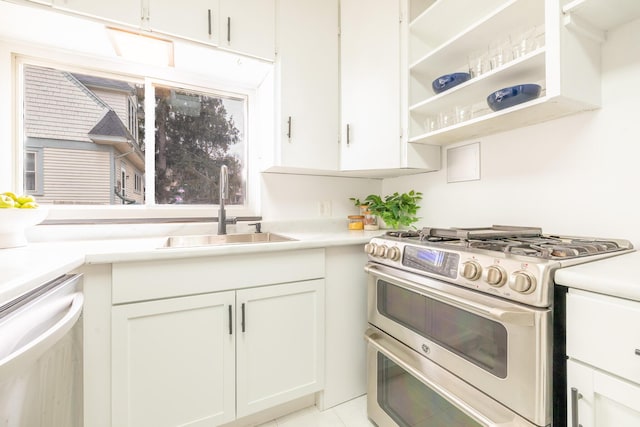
[248,26]
[174,362]
[279,344]
[448,31]
[371,68]
[370,73]
[216,339]
[308,84]
[216,357]
[119,11]
[197,20]
[603,370]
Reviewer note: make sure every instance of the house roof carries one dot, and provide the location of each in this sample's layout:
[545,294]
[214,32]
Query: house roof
[111,131]
[100,82]
[110,126]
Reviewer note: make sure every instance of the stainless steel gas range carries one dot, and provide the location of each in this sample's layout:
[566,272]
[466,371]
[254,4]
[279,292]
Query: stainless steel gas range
[461,324]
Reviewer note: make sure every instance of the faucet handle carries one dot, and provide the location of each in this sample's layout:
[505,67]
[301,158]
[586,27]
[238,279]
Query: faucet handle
[258,226]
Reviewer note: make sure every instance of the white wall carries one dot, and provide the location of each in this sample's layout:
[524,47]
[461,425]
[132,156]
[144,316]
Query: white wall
[288,197]
[576,175]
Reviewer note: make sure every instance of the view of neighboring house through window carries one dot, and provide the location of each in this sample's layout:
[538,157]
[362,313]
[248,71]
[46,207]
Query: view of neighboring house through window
[84,141]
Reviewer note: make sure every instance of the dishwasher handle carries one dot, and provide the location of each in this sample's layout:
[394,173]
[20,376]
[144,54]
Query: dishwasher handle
[35,348]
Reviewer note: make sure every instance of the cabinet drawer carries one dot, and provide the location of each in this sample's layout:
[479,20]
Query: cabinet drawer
[149,280]
[603,332]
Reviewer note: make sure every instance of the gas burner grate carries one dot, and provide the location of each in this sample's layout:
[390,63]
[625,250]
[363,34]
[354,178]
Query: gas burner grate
[402,233]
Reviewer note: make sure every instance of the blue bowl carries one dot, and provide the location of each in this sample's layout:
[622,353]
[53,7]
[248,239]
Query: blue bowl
[513,95]
[448,81]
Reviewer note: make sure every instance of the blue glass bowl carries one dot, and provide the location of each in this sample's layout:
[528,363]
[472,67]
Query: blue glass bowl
[448,81]
[513,95]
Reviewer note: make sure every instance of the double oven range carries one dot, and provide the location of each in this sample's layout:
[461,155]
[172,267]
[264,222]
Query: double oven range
[461,329]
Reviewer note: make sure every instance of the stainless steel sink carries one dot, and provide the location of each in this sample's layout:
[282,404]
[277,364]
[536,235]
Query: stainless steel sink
[223,239]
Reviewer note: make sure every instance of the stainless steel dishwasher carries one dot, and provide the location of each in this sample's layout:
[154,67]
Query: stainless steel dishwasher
[41,356]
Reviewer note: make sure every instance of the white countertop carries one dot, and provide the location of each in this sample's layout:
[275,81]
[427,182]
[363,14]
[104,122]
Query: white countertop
[616,276]
[27,267]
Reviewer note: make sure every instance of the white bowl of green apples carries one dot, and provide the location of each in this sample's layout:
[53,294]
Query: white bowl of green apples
[17,214]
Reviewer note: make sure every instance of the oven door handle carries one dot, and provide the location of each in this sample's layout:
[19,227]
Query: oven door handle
[512,316]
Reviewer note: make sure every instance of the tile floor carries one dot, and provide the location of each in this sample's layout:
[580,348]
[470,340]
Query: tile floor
[349,414]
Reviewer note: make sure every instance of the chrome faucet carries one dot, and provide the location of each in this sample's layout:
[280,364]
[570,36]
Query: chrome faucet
[224,193]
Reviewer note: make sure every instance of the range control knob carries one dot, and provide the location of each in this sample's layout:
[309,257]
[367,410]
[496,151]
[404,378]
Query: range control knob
[380,251]
[370,248]
[523,282]
[495,275]
[393,253]
[471,270]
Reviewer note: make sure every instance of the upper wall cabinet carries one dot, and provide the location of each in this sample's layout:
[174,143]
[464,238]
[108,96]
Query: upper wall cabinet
[120,11]
[242,26]
[503,43]
[371,58]
[307,84]
[248,26]
[197,20]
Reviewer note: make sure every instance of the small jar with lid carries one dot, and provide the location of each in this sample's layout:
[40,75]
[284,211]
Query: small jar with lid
[370,221]
[356,222]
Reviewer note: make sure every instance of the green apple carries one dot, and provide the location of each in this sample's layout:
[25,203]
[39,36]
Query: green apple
[6,201]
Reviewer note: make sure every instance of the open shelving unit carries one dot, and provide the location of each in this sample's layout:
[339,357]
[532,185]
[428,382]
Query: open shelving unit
[446,32]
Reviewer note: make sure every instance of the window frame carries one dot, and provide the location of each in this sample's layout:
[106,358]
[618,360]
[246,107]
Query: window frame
[25,54]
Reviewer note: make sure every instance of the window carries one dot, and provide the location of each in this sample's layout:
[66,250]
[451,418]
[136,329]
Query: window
[195,134]
[91,131]
[32,172]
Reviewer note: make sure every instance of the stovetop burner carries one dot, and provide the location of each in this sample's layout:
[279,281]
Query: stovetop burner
[523,241]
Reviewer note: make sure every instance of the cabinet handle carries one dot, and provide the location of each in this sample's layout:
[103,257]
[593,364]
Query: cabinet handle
[209,17]
[230,321]
[289,127]
[637,351]
[243,322]
[348,134]
[575,396]
[228,29]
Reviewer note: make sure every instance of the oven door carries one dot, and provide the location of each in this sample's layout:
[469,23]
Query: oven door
[406,389]
[500,347]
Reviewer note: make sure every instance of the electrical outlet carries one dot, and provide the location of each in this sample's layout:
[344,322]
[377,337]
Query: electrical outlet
[324,208]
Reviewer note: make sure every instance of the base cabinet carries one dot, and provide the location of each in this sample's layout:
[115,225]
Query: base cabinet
[603,370]
[204,360]
[173,362]
[598,399]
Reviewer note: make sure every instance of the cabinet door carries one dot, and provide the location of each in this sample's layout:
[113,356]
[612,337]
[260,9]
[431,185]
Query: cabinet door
[308,79]
[248,26]
[173,362]
[601,400]
[370,95]
[280,344]
[121,11]
[193,19]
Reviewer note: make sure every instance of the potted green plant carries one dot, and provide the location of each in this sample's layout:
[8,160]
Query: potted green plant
[395,209]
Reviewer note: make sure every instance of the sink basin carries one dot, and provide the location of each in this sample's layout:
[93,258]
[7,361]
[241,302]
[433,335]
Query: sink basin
[223,239]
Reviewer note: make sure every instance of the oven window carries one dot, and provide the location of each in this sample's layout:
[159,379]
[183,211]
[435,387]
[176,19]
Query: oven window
[411,403]
[481,341]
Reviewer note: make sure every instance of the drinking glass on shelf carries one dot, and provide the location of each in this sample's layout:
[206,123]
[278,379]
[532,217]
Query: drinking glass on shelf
[538,37]
[463,113]
[479,109]
[430,124]
[446,118]
[500,52]
[478,62]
